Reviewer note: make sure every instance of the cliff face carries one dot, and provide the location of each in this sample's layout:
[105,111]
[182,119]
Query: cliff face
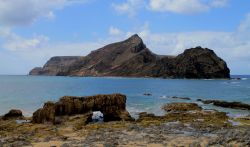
[131,58]
[56,65]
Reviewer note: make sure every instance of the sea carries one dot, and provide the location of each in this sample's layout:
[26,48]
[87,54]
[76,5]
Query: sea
[29,93]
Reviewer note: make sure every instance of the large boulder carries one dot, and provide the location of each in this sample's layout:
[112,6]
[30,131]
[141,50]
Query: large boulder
[45,114]
[13,114]
[113,108]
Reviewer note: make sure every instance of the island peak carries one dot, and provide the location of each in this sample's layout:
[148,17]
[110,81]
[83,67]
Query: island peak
[131,58]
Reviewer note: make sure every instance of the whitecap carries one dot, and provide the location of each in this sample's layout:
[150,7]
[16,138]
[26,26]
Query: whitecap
[164,96]
[234,82]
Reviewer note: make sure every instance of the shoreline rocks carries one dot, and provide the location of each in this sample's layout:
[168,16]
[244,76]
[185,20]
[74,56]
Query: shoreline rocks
[186,126]
[189,113]
[13,114]
[225,104]
[113,108]
[179,107]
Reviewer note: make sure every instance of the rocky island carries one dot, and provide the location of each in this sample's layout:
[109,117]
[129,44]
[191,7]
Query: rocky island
[131,58]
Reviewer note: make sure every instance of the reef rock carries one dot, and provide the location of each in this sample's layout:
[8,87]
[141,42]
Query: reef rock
[13,114]
[113,108]
[225,104]
[177,107]
[131,58]
[189,113]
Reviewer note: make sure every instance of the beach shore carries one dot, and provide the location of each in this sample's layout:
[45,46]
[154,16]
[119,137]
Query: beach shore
[183,128]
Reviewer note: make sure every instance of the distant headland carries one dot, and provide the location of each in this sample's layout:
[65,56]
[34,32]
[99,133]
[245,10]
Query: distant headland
[131,58]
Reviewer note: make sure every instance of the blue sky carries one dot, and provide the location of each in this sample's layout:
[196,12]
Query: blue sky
[32,31]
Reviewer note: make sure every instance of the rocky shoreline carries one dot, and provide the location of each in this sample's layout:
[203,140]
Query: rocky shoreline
[184,124]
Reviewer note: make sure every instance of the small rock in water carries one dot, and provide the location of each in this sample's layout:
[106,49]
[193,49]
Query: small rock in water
[182,98]
[147,94]
[235,78]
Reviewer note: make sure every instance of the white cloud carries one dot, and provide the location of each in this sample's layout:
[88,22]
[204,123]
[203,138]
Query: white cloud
[14,42]
[178,6]
[185,6]
[114,31]
[23,12]
[23,44]
[129,7]
[245,24]
[218,3]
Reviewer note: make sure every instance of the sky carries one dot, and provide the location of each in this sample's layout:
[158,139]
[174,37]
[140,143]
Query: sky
[32,31]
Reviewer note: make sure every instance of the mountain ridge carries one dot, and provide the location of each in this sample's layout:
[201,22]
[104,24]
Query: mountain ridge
[132,58]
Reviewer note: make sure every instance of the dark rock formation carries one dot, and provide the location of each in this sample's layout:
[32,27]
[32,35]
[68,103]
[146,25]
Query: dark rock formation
[225,104]
[131,58]
[200,63]
[147,94]
[177,107]
[13,114]
[112,106]
[181,98]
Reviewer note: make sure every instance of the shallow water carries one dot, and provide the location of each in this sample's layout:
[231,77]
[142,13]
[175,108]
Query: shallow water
[30,92]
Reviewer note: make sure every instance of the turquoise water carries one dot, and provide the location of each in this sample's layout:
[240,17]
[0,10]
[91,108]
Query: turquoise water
[30,92]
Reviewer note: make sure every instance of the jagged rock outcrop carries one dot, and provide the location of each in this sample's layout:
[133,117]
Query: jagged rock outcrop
[13,114]
[131,58]
[113,108]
